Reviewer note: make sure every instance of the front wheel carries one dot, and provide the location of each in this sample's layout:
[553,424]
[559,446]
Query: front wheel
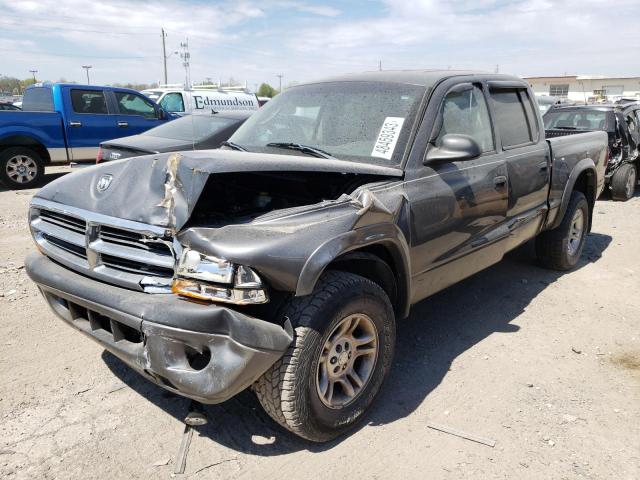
[623,182]
[342,352]
[561,248]
[21,168]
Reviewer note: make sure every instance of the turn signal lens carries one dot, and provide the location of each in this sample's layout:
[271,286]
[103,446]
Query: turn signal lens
[211,293]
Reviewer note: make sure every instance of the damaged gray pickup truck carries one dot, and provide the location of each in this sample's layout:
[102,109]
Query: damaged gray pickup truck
[283,260]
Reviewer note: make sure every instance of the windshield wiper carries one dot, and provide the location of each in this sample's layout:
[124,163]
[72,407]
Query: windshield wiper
[235,146]
[316,152]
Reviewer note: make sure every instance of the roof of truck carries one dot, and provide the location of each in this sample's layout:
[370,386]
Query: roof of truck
[425,78]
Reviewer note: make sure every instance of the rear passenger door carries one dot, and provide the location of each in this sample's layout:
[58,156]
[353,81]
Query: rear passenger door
[136,113]
[526,154]
[89,122]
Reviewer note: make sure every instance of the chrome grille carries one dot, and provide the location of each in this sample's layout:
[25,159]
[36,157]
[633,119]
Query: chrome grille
[117,251]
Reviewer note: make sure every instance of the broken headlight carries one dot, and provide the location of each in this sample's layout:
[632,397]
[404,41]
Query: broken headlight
[205,277]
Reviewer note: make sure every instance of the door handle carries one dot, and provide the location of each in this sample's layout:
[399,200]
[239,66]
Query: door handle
[75,124]
[123,124]
[543,166]
[500,181]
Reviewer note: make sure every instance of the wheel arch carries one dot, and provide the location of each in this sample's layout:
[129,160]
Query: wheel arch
[583,178]
[379,253]
[26,141]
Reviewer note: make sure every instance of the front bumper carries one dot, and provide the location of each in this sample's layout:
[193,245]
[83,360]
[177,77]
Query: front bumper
[201,351]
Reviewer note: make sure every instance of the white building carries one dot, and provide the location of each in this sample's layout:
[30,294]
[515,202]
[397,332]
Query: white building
[582,88]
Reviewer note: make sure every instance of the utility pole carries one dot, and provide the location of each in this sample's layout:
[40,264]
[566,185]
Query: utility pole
[379,65]
[497,68]
[33,72]
[186,56]
[280,79]
[87,67]
[164,56]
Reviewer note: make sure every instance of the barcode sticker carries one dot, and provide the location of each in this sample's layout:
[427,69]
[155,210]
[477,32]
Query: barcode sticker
[388,137]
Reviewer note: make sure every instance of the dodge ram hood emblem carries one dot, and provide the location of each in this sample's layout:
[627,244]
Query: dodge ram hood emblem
[104,182]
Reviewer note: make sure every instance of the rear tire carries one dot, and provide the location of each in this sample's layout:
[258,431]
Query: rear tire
[337,330]
[561,248]
[623,182]
[21,168]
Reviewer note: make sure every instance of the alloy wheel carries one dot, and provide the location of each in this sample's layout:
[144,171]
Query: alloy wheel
[347,360]
[21,168]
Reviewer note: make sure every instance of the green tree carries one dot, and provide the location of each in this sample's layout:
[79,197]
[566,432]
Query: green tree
[266,90]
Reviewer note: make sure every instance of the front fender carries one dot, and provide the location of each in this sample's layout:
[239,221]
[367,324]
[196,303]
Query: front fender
[388,235]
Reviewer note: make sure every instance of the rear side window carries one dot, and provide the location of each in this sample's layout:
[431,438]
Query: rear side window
[511,117]
[132,104]
[38,99]
[466,113]
[88,101]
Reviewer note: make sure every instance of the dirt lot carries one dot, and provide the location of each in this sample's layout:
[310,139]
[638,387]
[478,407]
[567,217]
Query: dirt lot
[548,365]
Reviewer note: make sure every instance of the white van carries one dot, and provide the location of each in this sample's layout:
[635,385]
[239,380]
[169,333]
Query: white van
[200,98]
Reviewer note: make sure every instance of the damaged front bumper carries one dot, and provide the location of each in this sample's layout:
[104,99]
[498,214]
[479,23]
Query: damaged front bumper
[201,351]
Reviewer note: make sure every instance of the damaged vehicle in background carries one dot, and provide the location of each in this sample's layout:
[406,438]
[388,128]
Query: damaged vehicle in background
[283,261]
[199,131]
[622,125]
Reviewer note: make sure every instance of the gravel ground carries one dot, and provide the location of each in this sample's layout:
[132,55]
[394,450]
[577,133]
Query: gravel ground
[547,365]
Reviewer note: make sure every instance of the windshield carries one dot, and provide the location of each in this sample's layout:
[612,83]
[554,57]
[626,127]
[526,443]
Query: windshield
[367,122]
[576,120]
[193,128]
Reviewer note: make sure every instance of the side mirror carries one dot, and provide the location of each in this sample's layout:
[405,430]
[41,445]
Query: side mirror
[455,148]
[162,115]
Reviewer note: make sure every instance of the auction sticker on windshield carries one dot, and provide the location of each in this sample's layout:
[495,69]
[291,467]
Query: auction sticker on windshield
[388,137]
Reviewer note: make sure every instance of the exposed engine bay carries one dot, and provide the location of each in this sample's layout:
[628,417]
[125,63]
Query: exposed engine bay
[241,197]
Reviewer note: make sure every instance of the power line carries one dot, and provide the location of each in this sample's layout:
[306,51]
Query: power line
[66,55]
[53,17]
[106,32]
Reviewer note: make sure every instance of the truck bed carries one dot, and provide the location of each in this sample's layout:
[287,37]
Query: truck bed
[47,127]
[567,151]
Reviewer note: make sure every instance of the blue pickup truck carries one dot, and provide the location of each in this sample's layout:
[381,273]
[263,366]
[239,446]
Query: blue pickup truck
[60,123]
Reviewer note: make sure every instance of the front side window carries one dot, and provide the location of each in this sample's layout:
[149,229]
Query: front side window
[466,113]
[88,101]
[132,104]
[510,116]
[173,102]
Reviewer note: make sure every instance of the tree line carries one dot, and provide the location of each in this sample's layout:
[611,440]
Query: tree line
[16,86]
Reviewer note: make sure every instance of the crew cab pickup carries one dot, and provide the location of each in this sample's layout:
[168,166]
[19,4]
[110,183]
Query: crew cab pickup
[61,123]
[284,260]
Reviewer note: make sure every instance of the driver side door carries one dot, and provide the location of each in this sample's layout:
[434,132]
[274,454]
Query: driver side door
[458,208]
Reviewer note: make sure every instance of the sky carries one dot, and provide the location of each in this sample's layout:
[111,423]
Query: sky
[254,41]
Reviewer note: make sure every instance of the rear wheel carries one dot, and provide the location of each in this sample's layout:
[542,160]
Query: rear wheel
[21,168]
[623,182]
[561,248]
[342,352]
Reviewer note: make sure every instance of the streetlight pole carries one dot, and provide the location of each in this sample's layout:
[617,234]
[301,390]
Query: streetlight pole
[33,72]
[87,67]
[164,56]
[280,82]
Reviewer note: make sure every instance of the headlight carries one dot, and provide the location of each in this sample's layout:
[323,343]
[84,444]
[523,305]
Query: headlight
[214,279]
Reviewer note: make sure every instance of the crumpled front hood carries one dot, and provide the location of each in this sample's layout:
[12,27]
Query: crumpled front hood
[163,189]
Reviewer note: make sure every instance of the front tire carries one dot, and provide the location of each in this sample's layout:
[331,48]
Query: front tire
[561,248]
[342,352]
[21,168]
[623,182]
